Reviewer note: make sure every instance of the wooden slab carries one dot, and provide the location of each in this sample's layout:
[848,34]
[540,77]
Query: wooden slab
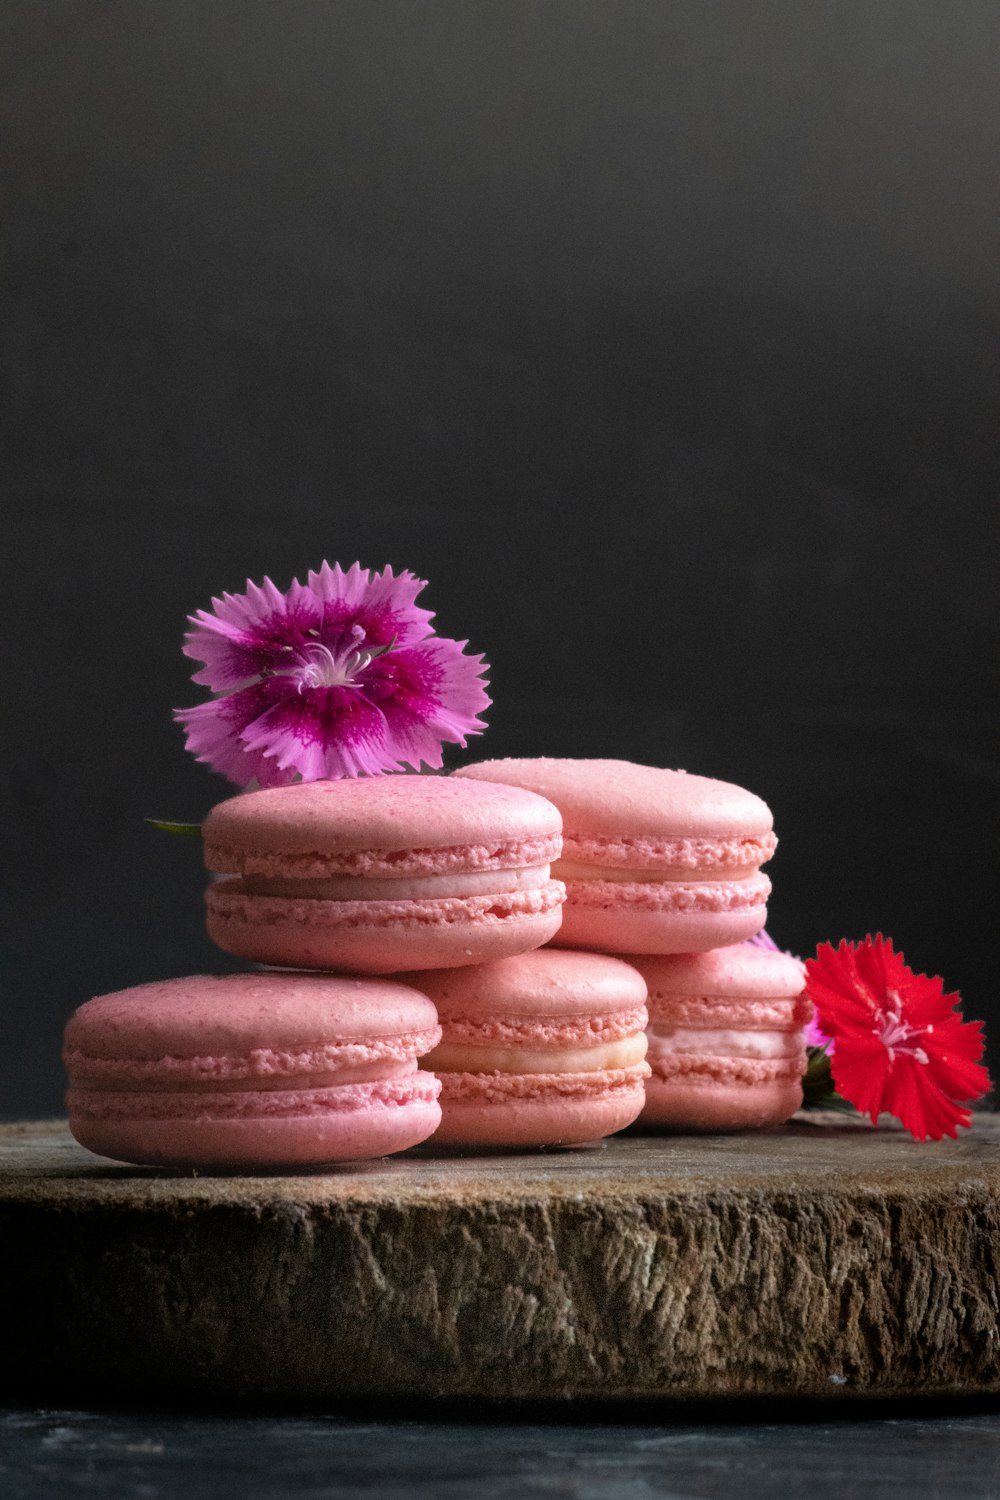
[811,1261]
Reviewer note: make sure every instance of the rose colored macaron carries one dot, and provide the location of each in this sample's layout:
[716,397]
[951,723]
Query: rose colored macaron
[384,873]
[726,1042]
[246,1070]
[542,1050]
[654,861]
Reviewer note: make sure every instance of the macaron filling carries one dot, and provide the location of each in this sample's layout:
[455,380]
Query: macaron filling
[679,1041]
[684,874]
[500,1057]
[324,1067]
[462,1057]
[229,902]
[403,886]
[330,1076]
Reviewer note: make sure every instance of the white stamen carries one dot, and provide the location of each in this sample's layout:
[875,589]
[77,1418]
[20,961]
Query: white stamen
[314,665]
[894,1033]
[321,668]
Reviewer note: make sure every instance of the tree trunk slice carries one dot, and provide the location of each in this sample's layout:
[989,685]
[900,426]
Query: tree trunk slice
[822,1259]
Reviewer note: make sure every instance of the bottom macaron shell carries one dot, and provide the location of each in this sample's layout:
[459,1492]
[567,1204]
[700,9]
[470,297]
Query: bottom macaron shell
[382,937]
[515,1110]
[362,1121]
[620,930]
[683,1105]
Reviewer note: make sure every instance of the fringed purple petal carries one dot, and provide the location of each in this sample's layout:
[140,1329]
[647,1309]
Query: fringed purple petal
[381,603]
[429,694]
[252,633]
[321,733]
[212,732]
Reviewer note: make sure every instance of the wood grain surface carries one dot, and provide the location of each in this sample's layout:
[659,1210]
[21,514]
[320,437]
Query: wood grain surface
[818,1260]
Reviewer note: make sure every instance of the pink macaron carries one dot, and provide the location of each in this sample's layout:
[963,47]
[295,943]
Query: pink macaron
[726,1038]
[654,861]
[249,1070]
[545,1049]
[384,873]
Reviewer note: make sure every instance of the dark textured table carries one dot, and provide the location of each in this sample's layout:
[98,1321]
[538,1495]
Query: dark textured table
[935,1453]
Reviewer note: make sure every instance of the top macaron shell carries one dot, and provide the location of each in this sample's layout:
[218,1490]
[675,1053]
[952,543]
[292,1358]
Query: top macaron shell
[383,873]
[611,798]
[227,1026]
[250,1069]
[655,860]
[740,972]
[542,987]
[376,824]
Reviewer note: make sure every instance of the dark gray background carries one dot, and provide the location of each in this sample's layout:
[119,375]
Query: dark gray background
[661,337]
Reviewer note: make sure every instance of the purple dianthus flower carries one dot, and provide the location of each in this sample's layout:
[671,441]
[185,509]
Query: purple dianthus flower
[339,676]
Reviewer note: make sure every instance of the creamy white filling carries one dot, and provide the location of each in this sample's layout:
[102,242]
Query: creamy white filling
[363,888]
[568,869]
[761,1044]
[463,1057]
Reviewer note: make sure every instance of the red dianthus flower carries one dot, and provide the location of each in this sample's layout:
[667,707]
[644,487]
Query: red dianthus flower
[900,1043]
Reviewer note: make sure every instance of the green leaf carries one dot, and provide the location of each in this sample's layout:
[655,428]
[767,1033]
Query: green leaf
[185,830]
[818,1091]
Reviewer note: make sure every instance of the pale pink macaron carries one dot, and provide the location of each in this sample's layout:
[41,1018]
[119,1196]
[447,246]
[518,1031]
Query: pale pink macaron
[654,861]
[250,1070]
[545,1049]
[726,1038]
[384,873]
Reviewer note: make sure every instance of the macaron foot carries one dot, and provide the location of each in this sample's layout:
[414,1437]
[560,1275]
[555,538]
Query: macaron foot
[523,1123]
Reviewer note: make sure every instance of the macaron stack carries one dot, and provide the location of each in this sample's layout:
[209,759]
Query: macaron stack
[445,883]
[336,884]
[465,958]
[664,869]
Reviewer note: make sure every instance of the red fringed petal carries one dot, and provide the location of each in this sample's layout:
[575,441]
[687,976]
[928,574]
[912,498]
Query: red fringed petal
[859,1066]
